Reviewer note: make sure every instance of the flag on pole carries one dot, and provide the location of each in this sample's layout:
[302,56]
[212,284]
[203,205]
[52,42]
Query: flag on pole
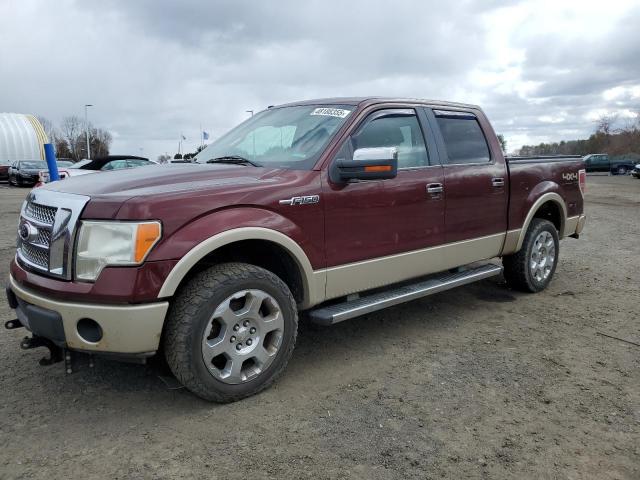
[183,137]
[205,135]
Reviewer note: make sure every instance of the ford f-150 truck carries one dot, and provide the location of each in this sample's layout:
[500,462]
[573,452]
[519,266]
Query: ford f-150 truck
[335,208]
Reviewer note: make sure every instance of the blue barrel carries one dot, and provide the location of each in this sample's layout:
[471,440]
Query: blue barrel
[50,155]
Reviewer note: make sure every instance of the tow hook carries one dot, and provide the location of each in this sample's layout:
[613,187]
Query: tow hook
[55,352]
[11,324]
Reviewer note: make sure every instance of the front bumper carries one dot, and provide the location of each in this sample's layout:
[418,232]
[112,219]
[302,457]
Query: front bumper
[28,178]
[125,329]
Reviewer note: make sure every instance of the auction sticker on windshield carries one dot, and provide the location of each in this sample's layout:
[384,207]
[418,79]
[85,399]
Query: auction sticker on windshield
[331,112]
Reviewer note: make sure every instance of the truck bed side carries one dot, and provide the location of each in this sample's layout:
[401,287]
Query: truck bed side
[532,178]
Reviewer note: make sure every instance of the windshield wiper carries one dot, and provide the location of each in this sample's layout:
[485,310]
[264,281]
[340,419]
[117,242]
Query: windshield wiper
[234,159]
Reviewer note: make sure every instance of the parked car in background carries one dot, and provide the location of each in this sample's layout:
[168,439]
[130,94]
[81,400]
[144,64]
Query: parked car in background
[110,162]
[4,170]
[636,171]
[601,162]
[25,173]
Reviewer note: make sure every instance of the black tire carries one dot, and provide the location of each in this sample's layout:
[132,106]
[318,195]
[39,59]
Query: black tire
[622,170]
[517,271]
[190,314]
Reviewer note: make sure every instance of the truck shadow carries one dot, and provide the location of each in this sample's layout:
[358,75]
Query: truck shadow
[321,354]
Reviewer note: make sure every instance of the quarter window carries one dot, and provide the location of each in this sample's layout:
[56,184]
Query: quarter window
[400,130]
[463,138]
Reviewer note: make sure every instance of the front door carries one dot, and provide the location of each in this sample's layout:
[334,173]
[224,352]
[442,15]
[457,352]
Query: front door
[371,227]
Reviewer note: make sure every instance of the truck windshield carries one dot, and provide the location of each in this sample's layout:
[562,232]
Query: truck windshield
[285,137]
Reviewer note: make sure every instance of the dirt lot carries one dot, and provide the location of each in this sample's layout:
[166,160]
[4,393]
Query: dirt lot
[479,382]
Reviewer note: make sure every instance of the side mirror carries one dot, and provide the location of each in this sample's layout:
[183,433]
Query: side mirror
[378,163]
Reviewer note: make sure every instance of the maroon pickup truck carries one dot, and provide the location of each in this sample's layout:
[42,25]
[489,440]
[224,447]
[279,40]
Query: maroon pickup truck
[335,207]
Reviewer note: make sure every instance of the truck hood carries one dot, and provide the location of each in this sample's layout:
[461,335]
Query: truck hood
[162,180]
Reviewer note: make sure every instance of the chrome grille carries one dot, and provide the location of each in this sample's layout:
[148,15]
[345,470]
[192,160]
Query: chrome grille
[41,213]
[44,238]
[46,231]
[35,255]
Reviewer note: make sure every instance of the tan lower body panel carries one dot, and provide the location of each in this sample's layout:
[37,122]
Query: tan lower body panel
[126,329]
[368,274]
[511,241]
[571,225]
[581,221]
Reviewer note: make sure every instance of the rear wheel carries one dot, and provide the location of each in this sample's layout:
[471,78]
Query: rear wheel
[231,331]
[622,170]
[532,267]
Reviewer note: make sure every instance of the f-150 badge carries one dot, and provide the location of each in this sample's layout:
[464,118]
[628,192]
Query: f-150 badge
[306,200]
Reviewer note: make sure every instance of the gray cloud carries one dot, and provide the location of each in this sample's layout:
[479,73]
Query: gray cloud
[155,69]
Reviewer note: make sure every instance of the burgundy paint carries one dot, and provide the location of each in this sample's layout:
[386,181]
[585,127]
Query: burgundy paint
[351,223]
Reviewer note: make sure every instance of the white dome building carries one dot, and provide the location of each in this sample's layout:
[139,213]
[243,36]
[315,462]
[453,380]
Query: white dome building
[21,138]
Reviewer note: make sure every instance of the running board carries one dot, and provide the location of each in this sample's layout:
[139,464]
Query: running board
[444,281]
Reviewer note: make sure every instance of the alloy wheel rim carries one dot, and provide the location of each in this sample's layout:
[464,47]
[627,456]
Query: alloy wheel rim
[543,256]
[243,336]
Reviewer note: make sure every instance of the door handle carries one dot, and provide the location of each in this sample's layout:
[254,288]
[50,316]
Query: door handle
[497,182]
[435,188]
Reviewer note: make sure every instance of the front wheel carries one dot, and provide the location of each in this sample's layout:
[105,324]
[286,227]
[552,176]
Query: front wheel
[230,331]
[532,267]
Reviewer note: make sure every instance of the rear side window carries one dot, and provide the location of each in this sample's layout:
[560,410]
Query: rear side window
[463,138]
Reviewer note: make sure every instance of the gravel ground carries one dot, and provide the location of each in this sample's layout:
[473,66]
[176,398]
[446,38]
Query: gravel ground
[479,382]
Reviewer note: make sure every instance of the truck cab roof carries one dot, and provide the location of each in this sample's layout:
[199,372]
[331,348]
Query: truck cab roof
[366,101]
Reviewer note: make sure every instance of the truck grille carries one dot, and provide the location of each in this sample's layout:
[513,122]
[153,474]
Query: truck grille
[46,232]
[41,213]
[35,255]
[44,238]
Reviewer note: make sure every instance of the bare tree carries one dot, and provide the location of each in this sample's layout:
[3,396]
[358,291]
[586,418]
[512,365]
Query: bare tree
[164,158]
[605,123]
[503,143]
[100,142]
[71,130]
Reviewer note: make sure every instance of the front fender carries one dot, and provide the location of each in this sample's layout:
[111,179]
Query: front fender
[199,238]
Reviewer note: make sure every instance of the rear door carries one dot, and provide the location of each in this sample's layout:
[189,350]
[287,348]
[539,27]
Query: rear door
[475,180]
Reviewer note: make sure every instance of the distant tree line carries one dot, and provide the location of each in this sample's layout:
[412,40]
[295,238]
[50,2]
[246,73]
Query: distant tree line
[606,139]
[70,141]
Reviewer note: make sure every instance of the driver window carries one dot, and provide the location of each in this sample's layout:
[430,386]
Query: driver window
[399,130]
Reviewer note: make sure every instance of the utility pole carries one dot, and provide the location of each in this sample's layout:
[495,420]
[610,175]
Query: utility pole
[86,127]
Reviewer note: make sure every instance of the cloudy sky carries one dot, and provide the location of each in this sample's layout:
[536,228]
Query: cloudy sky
[542,70]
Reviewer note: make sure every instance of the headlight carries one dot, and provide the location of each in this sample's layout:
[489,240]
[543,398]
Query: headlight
[113,243]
